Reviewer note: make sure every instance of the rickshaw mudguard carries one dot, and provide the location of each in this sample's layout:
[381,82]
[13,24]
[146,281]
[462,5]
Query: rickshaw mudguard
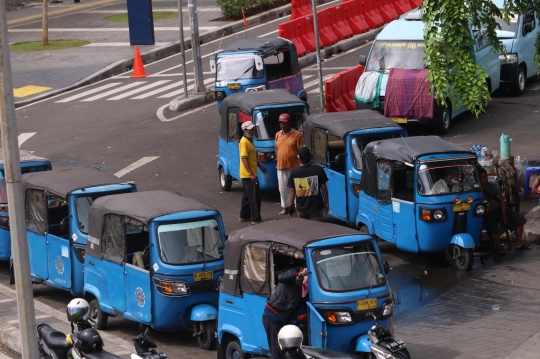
[203,312]
[222,163]
[367,221]
[464,240]
[362,344]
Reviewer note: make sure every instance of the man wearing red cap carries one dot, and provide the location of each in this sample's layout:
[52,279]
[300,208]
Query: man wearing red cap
[288,141]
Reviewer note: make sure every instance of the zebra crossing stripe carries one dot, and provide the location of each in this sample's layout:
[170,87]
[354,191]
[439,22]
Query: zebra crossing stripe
[316,82]
[113,91]
[89,92]
[181,91]
[163,89]
[140,89]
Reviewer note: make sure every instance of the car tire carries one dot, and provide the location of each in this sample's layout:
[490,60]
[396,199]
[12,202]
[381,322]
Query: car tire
[225,180]
[443,118]
[101,318]
[521,82]
[234,351]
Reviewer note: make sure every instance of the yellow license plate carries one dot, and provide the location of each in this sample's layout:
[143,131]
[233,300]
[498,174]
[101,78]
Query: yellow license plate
[399,120]
[234,86]
[366,304]
[198,276]
[463,206]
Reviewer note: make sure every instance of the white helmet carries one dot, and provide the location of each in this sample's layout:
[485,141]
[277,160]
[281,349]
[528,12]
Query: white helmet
[77,310]
[290,336]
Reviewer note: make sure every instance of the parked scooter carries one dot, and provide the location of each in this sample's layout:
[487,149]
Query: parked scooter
[384,346]
[85,343]
[146,346]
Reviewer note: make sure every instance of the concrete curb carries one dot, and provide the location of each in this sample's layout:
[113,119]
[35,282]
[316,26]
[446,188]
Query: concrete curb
[125,65]
[531,230]
[192,101]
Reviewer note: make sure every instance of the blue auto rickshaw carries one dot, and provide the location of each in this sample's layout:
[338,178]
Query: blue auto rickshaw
[57,205]
[155,258]
[258,64]
[29,163]
[346,286]
[337,140]
[263,109]
[423,194]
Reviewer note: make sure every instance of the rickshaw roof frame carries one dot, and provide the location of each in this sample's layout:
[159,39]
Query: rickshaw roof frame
[248,101]
[63,182]
[25,156]
[267,45]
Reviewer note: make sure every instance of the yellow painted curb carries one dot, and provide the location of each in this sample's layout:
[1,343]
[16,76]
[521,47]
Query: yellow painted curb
[29,90]
[57,12]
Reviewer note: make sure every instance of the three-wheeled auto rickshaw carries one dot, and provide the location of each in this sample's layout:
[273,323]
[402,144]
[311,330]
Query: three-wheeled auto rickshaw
[29,163]
[423,194]
[337,140]
[263,109]
[156,258]
[57,205]
[346,285]
[257,64]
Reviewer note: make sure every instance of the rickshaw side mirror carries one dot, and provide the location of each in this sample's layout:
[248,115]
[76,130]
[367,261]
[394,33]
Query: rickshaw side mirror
[213,66]
[409,179]
[362,60]
[386,267]
[64,224]
[340,161]
[259,63]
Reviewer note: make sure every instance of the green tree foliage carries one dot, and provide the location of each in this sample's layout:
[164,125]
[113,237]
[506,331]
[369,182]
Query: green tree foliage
[453,74]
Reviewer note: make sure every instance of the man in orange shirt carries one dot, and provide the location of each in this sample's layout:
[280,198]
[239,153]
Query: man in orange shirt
[288,141]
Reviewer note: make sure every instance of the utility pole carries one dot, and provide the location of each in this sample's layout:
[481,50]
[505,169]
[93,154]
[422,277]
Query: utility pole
[318,49]
[182,49]
[45,25]
[12,171]
[196,47]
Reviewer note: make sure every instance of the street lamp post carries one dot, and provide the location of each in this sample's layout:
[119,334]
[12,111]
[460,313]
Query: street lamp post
[182,47]
[196,47]
[318,50]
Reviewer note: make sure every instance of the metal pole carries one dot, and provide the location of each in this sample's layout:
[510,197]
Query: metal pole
[196,47]
[12,171]
[318,49]
[182,45]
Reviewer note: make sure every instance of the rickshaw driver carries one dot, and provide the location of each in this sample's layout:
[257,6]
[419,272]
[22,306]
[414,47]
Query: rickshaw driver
[281,306]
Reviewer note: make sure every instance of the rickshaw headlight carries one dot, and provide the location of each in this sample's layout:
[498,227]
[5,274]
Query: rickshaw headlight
[438,215]
[218,95]
[172,288]
[480,210]
[218,284]
[344,317]
[387,309]
[266,156]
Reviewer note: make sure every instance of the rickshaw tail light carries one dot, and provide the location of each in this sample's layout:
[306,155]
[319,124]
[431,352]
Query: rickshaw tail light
[331,317]
[426,215]
[4,208]
[469,199]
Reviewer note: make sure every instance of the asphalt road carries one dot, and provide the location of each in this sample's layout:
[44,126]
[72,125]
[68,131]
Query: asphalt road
[112,134]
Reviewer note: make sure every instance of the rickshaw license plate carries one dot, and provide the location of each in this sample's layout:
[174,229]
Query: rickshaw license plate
[366,304]
[395,345]
[399,120]
[463,206]
[198,276]
[234,86]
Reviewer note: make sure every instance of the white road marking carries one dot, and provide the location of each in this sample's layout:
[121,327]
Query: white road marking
[181,91]
[116,90]
[316,82]
[164,119]
[89,92]
[305,77]
[269,33]
[163,89]
[187,62]
[116,44]
[202,9]
[22,139]
[135,165]
[107,29]
[137,90]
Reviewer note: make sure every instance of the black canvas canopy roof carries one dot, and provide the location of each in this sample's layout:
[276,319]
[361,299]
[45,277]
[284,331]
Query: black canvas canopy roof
[63,182]
[296,233]
[25,156]
[247,101]
[342,123]
[268,45]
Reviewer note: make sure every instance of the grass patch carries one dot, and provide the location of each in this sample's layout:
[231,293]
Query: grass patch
[53,45]
[158,15]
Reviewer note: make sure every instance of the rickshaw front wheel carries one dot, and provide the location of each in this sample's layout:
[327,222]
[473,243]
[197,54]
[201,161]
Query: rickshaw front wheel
[464,257]
[98,315]
[207,339]
[234,351]
[225,180]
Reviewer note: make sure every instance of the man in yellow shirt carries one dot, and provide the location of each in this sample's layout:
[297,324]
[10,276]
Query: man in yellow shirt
[251,201]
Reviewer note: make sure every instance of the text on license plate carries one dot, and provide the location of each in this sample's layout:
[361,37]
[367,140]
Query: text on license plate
[396,345]
[234,86]
[399,120]
[198,276]
[366,304]
[463,206]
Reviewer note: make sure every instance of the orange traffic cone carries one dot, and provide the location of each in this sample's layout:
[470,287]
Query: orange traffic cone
[138,67]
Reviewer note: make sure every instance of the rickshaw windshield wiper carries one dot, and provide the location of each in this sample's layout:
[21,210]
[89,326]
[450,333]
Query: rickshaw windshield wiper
[245,72]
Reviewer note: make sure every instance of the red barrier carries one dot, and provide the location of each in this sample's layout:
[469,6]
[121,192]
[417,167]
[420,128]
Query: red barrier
[387,11]
[416,3]
[339,24]
[356,21]
[372,13]
[326,34]
[401,6]
[307,33]
[300,8]
[332,95]
[289,30]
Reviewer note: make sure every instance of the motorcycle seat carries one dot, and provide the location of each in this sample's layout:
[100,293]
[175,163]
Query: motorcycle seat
[53,338]
[319,353]
[101,355]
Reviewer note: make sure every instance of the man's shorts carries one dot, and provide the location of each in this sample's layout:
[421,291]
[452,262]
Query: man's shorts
[491,220]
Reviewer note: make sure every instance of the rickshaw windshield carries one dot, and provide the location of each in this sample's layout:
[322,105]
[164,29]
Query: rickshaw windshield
[27,169]
[236,67]
[193,242]
[267,124]
[347,268]
[82,209]
[385,55]
[440,178]
[358,143]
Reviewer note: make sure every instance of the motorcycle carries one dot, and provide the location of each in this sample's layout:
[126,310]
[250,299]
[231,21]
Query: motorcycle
[384,346]
[145,346]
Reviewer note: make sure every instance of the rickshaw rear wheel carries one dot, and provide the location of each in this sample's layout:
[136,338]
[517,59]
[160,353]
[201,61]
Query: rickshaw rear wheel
[207,340]
[363,229]
[464,257]
[225,180]
[234,351]
[98,315]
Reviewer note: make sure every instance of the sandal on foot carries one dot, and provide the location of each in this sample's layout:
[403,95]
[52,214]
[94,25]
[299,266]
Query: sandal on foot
[523,246]
[244,219]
